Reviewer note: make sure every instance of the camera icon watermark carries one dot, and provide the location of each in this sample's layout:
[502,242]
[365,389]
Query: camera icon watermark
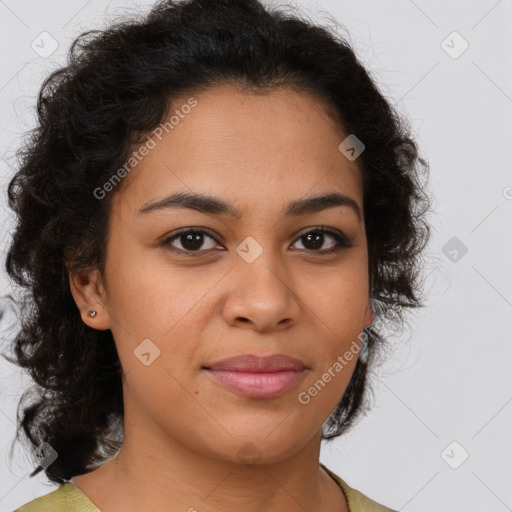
[454,455]
[454,249]
[146,352]
[249,250]
[45,454]
[249,454]
[44,45]
[352,147]
[454,45]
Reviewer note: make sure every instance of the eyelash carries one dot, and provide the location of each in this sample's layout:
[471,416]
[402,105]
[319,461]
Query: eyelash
[342,242]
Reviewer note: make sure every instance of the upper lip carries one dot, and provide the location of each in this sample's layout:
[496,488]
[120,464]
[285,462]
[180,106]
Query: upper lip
[258,364]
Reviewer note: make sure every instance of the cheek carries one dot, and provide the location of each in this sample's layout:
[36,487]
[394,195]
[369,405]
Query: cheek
[338,306]
[150,298]
[160,312]
[338,300]
[336,349]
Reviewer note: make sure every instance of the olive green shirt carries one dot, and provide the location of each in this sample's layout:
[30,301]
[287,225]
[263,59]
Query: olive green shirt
[69,498]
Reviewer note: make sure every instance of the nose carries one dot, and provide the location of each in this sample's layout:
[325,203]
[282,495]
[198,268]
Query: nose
[261,295]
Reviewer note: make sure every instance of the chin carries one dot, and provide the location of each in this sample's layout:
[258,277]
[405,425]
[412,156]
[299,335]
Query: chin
[260,448]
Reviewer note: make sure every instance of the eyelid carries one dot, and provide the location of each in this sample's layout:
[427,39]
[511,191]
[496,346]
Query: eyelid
[342,240]
[195,229]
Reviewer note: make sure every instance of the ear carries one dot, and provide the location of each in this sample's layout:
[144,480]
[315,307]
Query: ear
[89,294]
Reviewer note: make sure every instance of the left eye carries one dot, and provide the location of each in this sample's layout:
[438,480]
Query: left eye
[316,237]
[192,239]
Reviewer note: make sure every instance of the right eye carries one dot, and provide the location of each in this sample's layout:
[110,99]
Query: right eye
[190,239]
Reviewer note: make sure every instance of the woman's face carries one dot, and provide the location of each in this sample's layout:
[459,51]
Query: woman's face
[254,284]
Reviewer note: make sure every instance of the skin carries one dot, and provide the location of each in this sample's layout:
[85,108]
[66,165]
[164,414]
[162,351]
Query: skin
[183,430]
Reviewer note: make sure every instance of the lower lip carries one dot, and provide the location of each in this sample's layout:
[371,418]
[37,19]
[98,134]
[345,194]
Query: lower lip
[258,385]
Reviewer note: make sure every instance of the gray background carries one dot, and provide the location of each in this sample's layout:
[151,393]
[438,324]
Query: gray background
[448,379]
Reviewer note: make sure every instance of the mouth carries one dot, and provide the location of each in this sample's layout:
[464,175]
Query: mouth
[258,377]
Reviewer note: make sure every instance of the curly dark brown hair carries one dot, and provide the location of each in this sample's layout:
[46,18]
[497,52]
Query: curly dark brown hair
[116,87]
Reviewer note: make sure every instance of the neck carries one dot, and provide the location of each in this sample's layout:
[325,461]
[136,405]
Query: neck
[160,473]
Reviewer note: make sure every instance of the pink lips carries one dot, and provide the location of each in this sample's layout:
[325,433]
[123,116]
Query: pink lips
[258,377]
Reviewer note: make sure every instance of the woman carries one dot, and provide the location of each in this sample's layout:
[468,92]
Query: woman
[215,210]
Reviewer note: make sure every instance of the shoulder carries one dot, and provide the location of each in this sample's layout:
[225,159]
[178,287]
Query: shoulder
[67,498]
[357,501]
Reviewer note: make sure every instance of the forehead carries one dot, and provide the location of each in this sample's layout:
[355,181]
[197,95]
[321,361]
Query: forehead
[258,148]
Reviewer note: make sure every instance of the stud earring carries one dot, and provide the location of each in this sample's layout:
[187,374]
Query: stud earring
[91,313]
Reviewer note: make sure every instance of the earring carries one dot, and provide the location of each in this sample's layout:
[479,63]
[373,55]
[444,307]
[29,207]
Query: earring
[91,313]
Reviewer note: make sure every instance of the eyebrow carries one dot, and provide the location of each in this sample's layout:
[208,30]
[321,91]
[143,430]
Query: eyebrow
[216,206]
